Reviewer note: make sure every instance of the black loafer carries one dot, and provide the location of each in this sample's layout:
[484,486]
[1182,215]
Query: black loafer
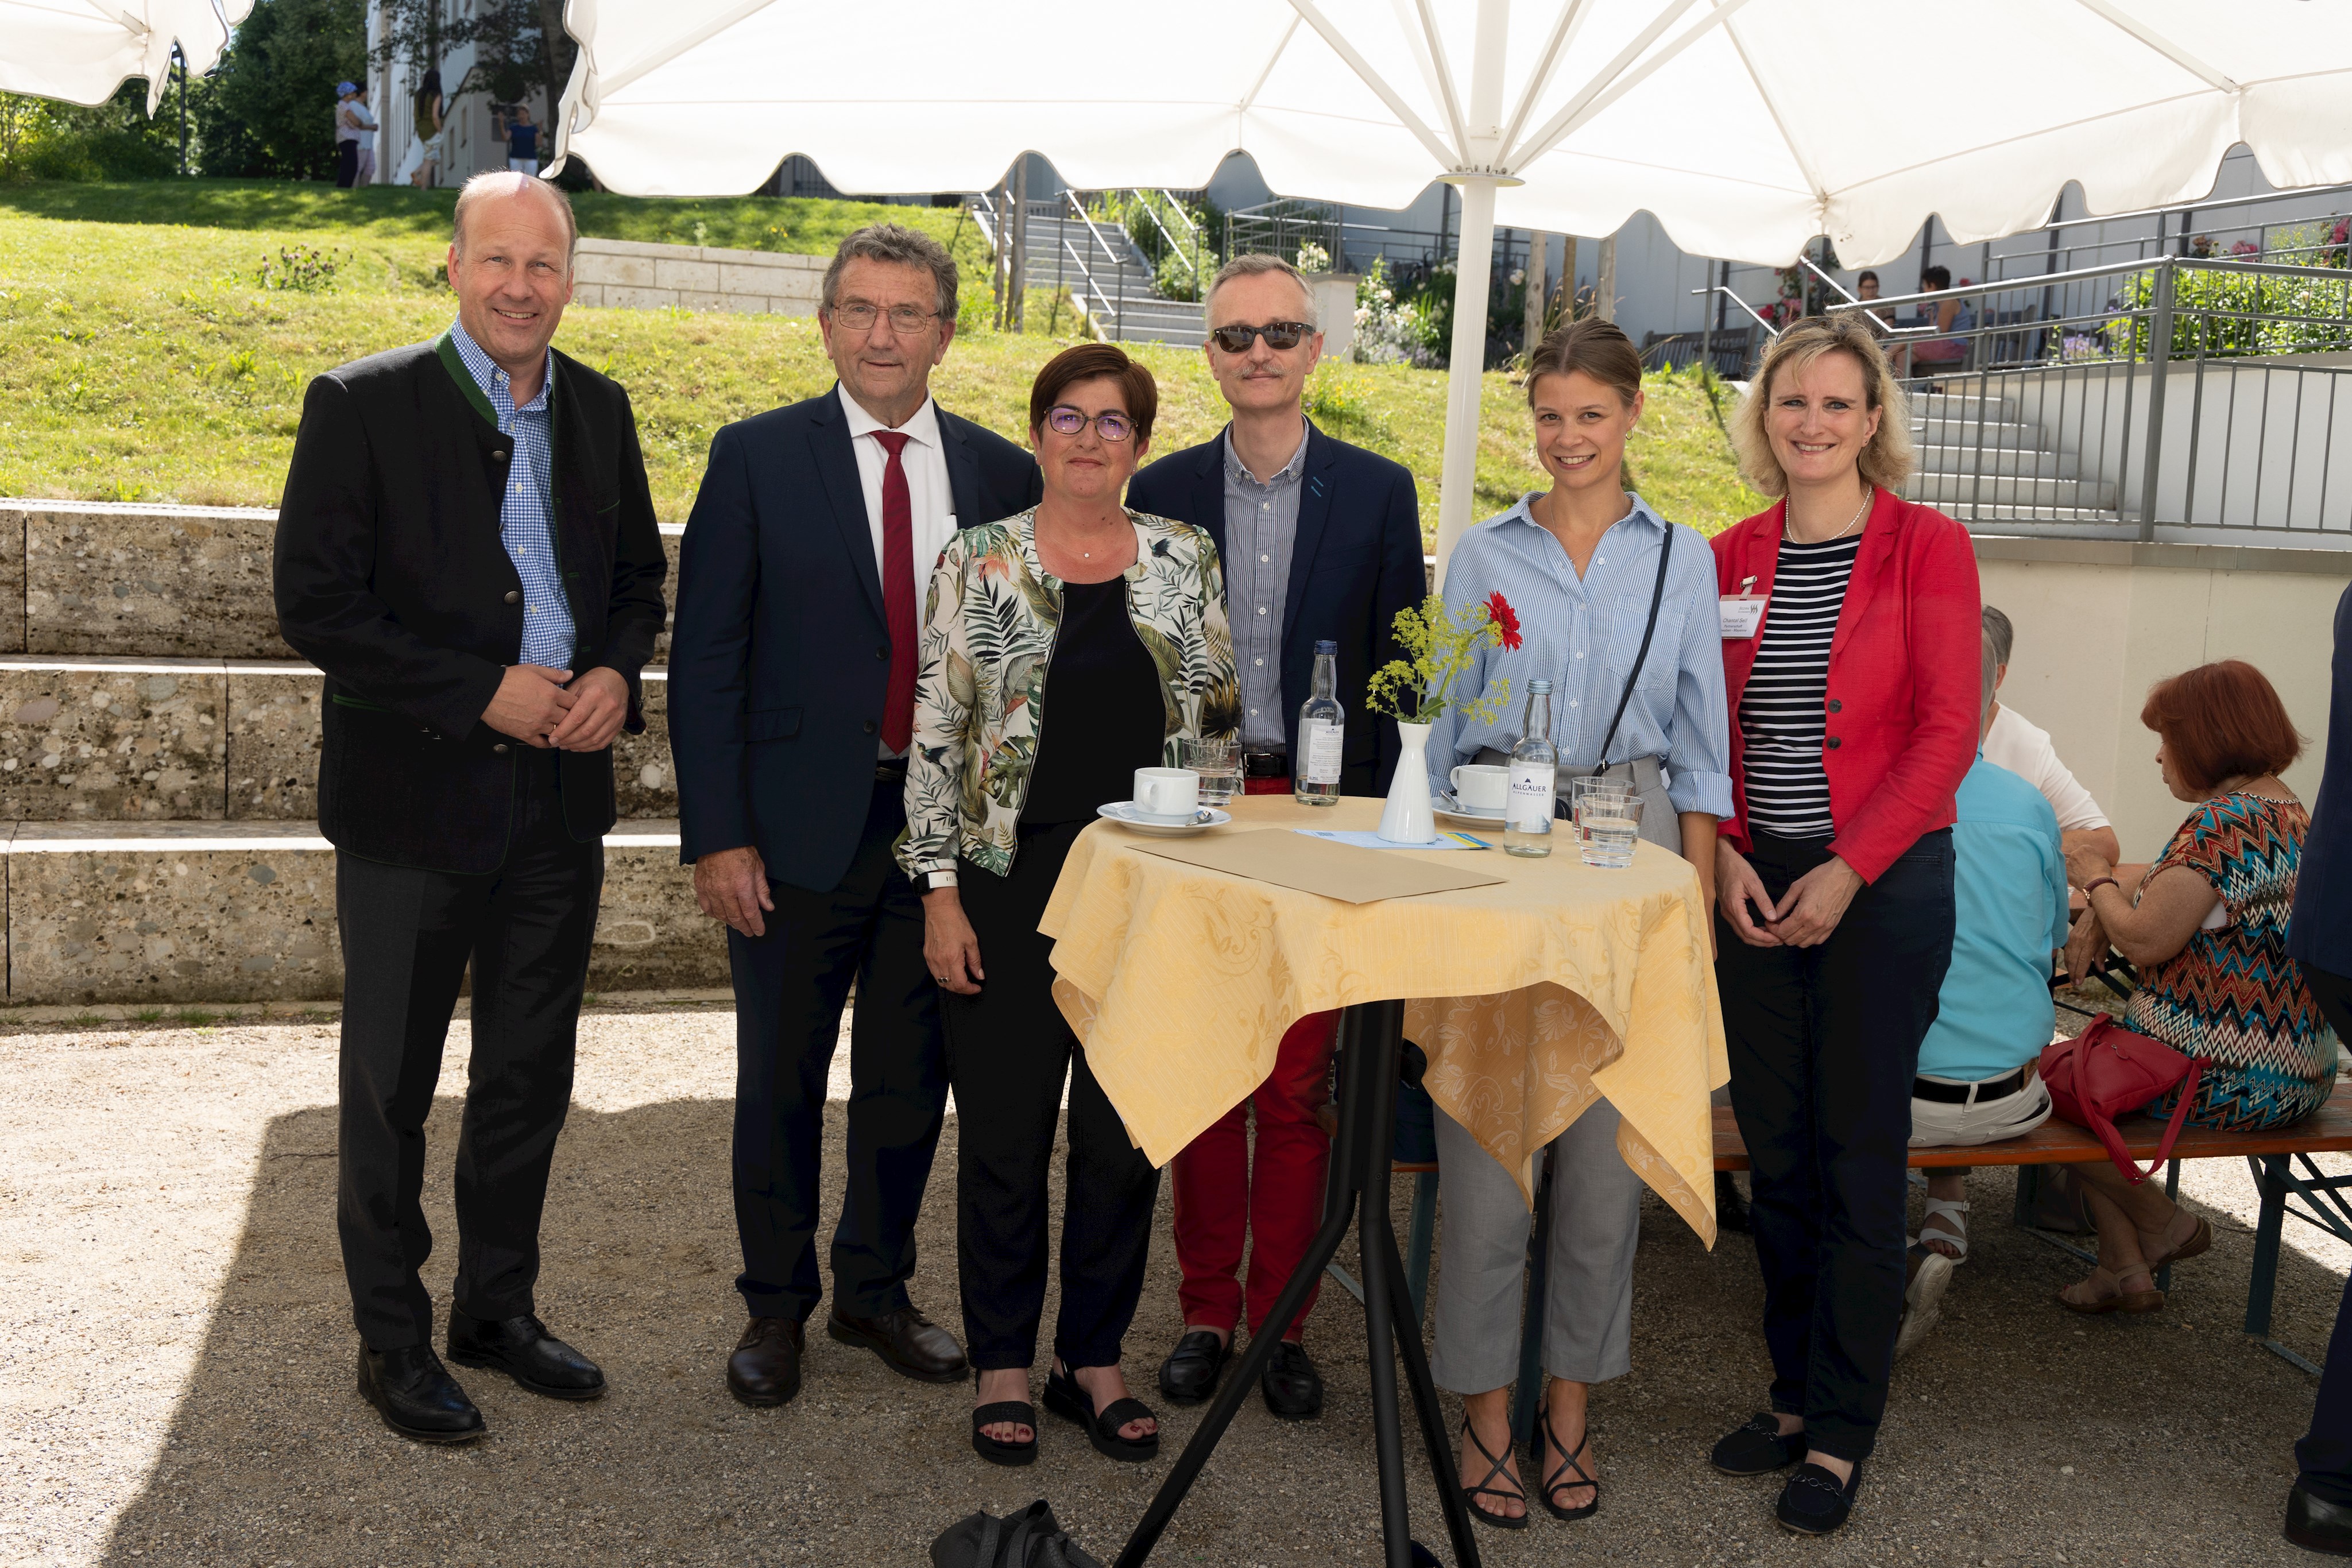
[523,1349]
[1758,1448]
[2316,1524]
[1813,1503]
[1292,1388]
[416,1396]
[1193,1369]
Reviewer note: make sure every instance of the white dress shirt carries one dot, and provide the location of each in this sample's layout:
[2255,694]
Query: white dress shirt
[931,503]
[2015,742]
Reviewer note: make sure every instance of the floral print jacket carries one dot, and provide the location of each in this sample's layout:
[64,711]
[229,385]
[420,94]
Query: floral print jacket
[987,648]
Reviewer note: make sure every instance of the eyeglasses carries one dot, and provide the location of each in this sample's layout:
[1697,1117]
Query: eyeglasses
[1277,335]
[860,317]
[1110,424]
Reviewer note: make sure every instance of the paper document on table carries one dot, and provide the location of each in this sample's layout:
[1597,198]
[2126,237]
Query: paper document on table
[1315,865]
[1366,839]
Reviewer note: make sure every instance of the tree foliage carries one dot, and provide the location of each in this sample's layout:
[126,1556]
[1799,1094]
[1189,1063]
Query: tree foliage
[270,112]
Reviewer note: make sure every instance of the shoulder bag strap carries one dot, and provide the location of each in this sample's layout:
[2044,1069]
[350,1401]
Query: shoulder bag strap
[1657,597]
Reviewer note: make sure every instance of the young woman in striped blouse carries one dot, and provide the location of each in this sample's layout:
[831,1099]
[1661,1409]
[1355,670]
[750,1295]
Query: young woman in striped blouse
[1851,652]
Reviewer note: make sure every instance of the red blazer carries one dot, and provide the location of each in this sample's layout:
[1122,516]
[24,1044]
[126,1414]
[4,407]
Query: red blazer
[1905,676]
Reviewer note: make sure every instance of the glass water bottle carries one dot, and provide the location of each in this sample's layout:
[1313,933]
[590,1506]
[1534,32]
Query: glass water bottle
[1534,775]
[1321,732]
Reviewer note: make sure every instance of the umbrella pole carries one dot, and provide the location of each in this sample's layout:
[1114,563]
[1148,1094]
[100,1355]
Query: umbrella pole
[1473,272]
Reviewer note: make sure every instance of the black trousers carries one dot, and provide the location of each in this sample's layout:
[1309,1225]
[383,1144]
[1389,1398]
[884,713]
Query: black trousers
[1824,1043]
[2324,1453]
[789,986]
[1008,1051]
[407,939]
[347,164]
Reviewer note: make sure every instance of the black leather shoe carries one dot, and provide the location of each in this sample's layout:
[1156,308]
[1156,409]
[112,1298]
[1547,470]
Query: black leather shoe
[909,1344]
[1189,1374]
[1758,1448]
[2318,1525]
[766,1366]
[523,1349]
[1731,1209]
[1813,1503]
[416,1396]
[1292,1388]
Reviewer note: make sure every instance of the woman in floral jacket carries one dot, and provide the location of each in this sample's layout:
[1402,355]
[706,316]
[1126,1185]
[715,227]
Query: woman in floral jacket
[1116,622]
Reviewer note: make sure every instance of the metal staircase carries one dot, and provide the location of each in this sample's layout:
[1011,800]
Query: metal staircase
[1098,262]
[1979,461]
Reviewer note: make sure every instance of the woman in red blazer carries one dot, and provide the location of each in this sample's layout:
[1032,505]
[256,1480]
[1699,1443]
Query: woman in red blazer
[1851,652]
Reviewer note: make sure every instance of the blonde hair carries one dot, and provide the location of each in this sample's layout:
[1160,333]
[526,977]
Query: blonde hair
[1885,462]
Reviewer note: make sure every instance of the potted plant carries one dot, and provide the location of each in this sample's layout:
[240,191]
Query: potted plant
[1415,691]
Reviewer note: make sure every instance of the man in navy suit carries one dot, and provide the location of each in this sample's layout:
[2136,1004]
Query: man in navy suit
[1321,542]
[2319,939]
[792,696]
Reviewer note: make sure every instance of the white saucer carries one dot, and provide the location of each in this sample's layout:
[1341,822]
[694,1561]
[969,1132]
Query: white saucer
[1124,813]
[1445,805]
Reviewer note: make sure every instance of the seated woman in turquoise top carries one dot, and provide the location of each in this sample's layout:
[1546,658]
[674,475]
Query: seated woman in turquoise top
[1580,564]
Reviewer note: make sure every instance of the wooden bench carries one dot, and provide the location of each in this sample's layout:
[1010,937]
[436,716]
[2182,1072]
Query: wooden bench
[2290,1181]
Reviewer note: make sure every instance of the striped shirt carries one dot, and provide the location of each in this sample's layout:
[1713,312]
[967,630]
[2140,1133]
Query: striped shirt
[1783,720]
[527,511]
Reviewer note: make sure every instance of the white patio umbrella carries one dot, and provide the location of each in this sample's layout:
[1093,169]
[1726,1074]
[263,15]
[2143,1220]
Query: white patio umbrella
[82,50]
[1746,127]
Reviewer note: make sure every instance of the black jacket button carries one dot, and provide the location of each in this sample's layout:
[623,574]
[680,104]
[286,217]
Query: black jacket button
[500,750]
[1836,706]
[1834,743]
[871,726]
[514,597]
[883,653]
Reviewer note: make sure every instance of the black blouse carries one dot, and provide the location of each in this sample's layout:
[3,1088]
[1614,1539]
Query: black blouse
[1105,716]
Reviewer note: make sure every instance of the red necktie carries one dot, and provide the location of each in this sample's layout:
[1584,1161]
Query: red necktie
[898,594]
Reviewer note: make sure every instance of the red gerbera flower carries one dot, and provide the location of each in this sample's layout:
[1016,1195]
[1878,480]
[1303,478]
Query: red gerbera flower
[1504,618]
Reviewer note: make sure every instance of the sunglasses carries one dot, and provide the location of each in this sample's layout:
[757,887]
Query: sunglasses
[1110,424]
[1236,339]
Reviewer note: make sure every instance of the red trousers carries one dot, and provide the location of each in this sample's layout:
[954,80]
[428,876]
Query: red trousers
[1277,1200]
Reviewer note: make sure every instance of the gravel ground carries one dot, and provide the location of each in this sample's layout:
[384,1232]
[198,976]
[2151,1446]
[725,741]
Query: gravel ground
[176,1370]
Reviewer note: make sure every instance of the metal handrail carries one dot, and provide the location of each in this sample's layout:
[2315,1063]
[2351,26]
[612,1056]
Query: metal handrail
[1747,310]
[1119,319]
[1110,254]
[1174,245]
[2209,203]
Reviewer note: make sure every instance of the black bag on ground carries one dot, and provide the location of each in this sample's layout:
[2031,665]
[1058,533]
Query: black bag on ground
[1030,1539]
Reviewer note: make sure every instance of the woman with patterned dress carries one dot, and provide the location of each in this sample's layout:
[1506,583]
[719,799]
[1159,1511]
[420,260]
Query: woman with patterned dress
[1062,650]
[2206,926]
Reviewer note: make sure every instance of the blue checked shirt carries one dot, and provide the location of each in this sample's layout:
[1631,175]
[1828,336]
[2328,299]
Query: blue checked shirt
[527,511]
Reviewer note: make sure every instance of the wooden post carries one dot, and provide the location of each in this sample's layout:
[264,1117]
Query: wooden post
[1537,294]
[1604,281]
[1017,283]
[1568,277]
[996,254]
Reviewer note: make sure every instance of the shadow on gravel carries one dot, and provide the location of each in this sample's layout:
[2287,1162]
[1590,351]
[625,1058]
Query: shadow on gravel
[2176,1430]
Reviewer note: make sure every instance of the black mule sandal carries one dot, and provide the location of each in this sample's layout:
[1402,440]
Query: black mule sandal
[1015,1412]
[1557,1479]
[1064,1397]
[1470,1495]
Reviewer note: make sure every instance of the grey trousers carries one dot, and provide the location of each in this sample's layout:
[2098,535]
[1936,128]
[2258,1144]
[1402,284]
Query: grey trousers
[1596,1219]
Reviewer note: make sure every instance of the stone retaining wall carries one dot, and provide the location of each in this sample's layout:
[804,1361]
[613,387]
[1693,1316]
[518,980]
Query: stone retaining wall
[630,275]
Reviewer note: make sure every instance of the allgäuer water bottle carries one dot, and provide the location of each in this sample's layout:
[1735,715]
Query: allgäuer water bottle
[1534,775]
[1315,771]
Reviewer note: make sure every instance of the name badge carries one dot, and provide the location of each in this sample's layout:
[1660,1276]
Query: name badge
[1741,616]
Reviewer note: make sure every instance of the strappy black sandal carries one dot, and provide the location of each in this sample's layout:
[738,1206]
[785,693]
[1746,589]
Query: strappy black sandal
[1470,1495]
[1064,1397]
[1015,1412]
[1557,1480]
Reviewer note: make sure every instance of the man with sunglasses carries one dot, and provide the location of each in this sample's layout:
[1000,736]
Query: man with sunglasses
[791,699]
[1321,542]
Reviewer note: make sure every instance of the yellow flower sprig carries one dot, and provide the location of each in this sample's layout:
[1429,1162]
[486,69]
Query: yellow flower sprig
[1442,648]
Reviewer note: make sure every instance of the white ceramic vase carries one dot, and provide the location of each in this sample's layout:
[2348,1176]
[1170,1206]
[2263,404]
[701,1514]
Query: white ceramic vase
[1407,819]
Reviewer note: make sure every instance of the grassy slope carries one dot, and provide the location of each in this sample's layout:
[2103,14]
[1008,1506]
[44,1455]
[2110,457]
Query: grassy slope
[139,360]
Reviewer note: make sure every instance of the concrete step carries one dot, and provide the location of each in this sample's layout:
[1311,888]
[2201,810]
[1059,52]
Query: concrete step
[92,739]
[1971,431]
[1963,405]
[2029,494]
[221,912]
[150,581]
[2075,517]
[2046,463]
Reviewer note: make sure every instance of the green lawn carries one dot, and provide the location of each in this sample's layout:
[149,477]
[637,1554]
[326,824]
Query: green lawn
[141,360]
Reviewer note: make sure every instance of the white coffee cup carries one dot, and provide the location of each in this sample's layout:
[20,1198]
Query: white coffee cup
[1480,786]
[1166,794]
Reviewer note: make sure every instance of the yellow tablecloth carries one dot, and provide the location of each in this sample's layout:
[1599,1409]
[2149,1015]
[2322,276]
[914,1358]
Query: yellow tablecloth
[1532,998]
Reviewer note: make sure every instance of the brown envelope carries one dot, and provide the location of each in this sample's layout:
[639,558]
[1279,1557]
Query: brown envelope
[1344,872]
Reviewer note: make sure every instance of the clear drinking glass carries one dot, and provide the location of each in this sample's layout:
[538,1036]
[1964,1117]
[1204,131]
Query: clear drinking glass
[1219,764]
[1608,820]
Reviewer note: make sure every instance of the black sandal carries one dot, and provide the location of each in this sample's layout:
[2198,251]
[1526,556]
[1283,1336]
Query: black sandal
[1556,1481]
[1017,1412]
[1470,1495]
[1064,1397]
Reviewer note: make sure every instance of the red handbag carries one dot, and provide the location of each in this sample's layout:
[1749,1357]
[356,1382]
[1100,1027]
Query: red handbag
[2109,1070]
